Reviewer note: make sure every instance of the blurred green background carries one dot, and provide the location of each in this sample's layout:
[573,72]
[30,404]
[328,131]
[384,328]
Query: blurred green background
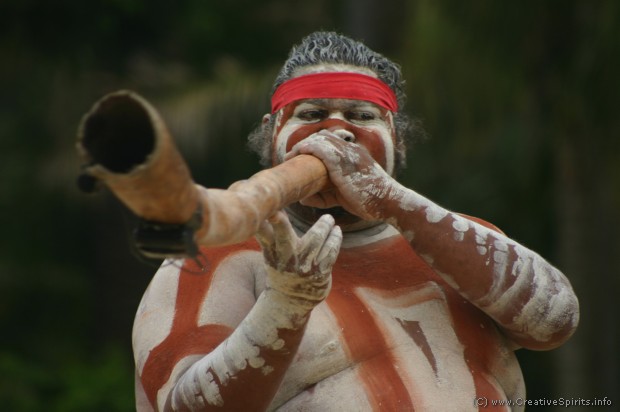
[520,100]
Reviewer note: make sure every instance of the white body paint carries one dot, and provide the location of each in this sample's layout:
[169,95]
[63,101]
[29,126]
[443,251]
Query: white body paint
[155,323]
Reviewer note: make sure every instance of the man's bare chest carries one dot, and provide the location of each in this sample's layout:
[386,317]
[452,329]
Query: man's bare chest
[394,333]
[395,345]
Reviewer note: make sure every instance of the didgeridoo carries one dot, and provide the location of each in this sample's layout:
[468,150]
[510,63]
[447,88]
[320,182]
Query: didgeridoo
[126,145]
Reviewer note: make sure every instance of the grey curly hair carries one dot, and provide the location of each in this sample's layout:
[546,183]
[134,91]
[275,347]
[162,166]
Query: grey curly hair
[333,48]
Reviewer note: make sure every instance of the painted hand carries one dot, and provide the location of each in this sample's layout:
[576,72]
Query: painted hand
[300,268]
[360,183]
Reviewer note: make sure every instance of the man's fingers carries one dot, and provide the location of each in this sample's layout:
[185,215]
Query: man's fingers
[317,249]
[264,235]
[321,200]
[329,252]
[265,238]
[314,239]
[284,234]
[276,237]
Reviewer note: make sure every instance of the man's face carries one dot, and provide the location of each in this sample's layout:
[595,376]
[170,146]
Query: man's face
[360,122]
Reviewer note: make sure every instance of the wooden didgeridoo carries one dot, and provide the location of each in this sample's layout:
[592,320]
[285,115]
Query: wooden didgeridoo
[126,145]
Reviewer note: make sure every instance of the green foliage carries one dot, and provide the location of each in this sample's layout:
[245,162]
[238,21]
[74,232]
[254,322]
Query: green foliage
[80,382]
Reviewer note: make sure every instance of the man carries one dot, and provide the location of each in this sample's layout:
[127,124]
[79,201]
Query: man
[364,297]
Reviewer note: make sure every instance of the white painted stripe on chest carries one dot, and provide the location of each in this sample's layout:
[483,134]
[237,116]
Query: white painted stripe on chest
[228,280]
[155,313]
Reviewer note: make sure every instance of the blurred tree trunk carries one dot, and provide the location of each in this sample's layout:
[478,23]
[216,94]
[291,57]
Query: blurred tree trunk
[579,98]
[588,213]
[588,249]
[379,24]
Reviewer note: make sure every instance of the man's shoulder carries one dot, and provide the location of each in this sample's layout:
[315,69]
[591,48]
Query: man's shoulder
[210,258]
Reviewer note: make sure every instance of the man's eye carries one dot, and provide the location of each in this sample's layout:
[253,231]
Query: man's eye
[312,115]
[361,116]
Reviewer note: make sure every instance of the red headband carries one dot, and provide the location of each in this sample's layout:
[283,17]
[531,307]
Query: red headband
[334,85]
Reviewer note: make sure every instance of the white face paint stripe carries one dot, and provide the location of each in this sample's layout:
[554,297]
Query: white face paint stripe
[279,144]
[388,143]
[282,140]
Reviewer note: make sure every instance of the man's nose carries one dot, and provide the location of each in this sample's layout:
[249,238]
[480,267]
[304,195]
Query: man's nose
[339,128]
[343,134]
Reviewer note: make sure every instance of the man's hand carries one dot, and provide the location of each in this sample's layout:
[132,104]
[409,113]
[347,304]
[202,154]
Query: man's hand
[361,185]
[300,268]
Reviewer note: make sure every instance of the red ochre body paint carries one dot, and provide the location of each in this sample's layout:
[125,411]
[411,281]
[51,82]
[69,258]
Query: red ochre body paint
[386,268]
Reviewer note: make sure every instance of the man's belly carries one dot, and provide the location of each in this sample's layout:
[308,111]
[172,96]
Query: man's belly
[402,354]
[340,392]
[346,391]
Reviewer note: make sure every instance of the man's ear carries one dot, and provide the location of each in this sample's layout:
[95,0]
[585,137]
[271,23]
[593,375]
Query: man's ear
[266,118]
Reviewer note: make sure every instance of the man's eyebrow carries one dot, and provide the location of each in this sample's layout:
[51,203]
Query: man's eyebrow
[312,102]
[346,103]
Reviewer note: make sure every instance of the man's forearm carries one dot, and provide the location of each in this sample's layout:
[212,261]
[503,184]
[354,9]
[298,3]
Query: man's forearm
[528,297]
[255,356]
